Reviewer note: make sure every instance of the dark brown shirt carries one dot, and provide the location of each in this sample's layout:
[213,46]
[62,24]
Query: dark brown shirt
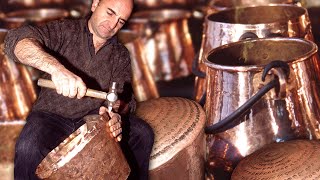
[70,41]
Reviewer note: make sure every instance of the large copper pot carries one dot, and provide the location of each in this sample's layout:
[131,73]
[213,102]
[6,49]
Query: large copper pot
[249,22]
[167,42]
[289,111]
[144,85]
[17,92]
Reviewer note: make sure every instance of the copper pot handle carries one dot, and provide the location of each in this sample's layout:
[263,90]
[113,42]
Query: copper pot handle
[281,71]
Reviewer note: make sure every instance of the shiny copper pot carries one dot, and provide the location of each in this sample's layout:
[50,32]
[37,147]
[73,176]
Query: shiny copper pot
[39,16]
[234,77]
[17,92]
[241,23]
[144,85]
[167,42]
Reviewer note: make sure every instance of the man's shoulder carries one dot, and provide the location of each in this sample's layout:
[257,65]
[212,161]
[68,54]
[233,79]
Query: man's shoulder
[69,24]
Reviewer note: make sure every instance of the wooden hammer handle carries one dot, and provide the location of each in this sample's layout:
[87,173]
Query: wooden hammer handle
[90,92]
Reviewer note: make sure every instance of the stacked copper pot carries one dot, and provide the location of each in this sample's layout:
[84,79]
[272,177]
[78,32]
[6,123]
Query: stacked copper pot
[237,125]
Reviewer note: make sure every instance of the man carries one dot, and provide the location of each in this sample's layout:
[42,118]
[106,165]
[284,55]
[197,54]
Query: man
[77,54]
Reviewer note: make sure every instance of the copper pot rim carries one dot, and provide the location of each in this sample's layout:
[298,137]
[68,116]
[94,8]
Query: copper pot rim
[159,16]
[221,5]
[36,14]
[243,68]
[212,17]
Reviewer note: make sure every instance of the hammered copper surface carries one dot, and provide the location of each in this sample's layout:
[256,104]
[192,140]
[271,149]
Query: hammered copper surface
[295,160]
[178,150]
[280,20]
[17,92]
[144,85]
[88,153]
[166,40]
[234,75]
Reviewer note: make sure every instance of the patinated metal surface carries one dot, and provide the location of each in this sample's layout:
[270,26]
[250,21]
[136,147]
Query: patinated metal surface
[234,75]
[178,151]
[282,20]
[88,153]
[296,160]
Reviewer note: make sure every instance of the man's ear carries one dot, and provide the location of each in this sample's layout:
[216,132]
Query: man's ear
[94,5]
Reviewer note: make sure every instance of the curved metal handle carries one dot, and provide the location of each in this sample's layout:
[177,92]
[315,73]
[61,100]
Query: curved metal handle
[228,122]
[90,92]
[248,35]
[195,67]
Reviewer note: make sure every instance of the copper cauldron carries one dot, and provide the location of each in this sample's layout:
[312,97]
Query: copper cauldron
[17,92]
[241,119]
[88,153]
[241,23]
[144,85]
[165,37]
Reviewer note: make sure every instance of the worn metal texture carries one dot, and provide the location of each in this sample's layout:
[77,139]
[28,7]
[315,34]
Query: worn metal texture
[88,153]
[298,160]
[178,150]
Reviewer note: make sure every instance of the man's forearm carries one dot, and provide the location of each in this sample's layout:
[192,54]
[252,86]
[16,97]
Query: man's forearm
[30,52]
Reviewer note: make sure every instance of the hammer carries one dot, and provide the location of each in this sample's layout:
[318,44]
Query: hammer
[111,97]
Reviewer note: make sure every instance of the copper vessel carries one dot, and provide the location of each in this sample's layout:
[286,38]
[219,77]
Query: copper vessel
[220,5]
[298,160]
[240,23]
[88,153]
[144,85]
[39,16]
[289,111]
[165,37]
[179,144]
[17,92]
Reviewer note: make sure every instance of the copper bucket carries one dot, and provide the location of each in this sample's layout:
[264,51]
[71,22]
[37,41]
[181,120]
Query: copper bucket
[88,153]
[17,92]
[241,23]
[144,85]
[165,36]
[237,75]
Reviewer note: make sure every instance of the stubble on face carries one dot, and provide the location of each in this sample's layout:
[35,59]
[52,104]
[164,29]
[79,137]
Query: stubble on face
[101,24]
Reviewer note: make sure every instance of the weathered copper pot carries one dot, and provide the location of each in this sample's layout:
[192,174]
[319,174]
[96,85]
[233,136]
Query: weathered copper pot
[165,37]
[17,92]
[249,22]
[88,153]
[144,85]
[234,74]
